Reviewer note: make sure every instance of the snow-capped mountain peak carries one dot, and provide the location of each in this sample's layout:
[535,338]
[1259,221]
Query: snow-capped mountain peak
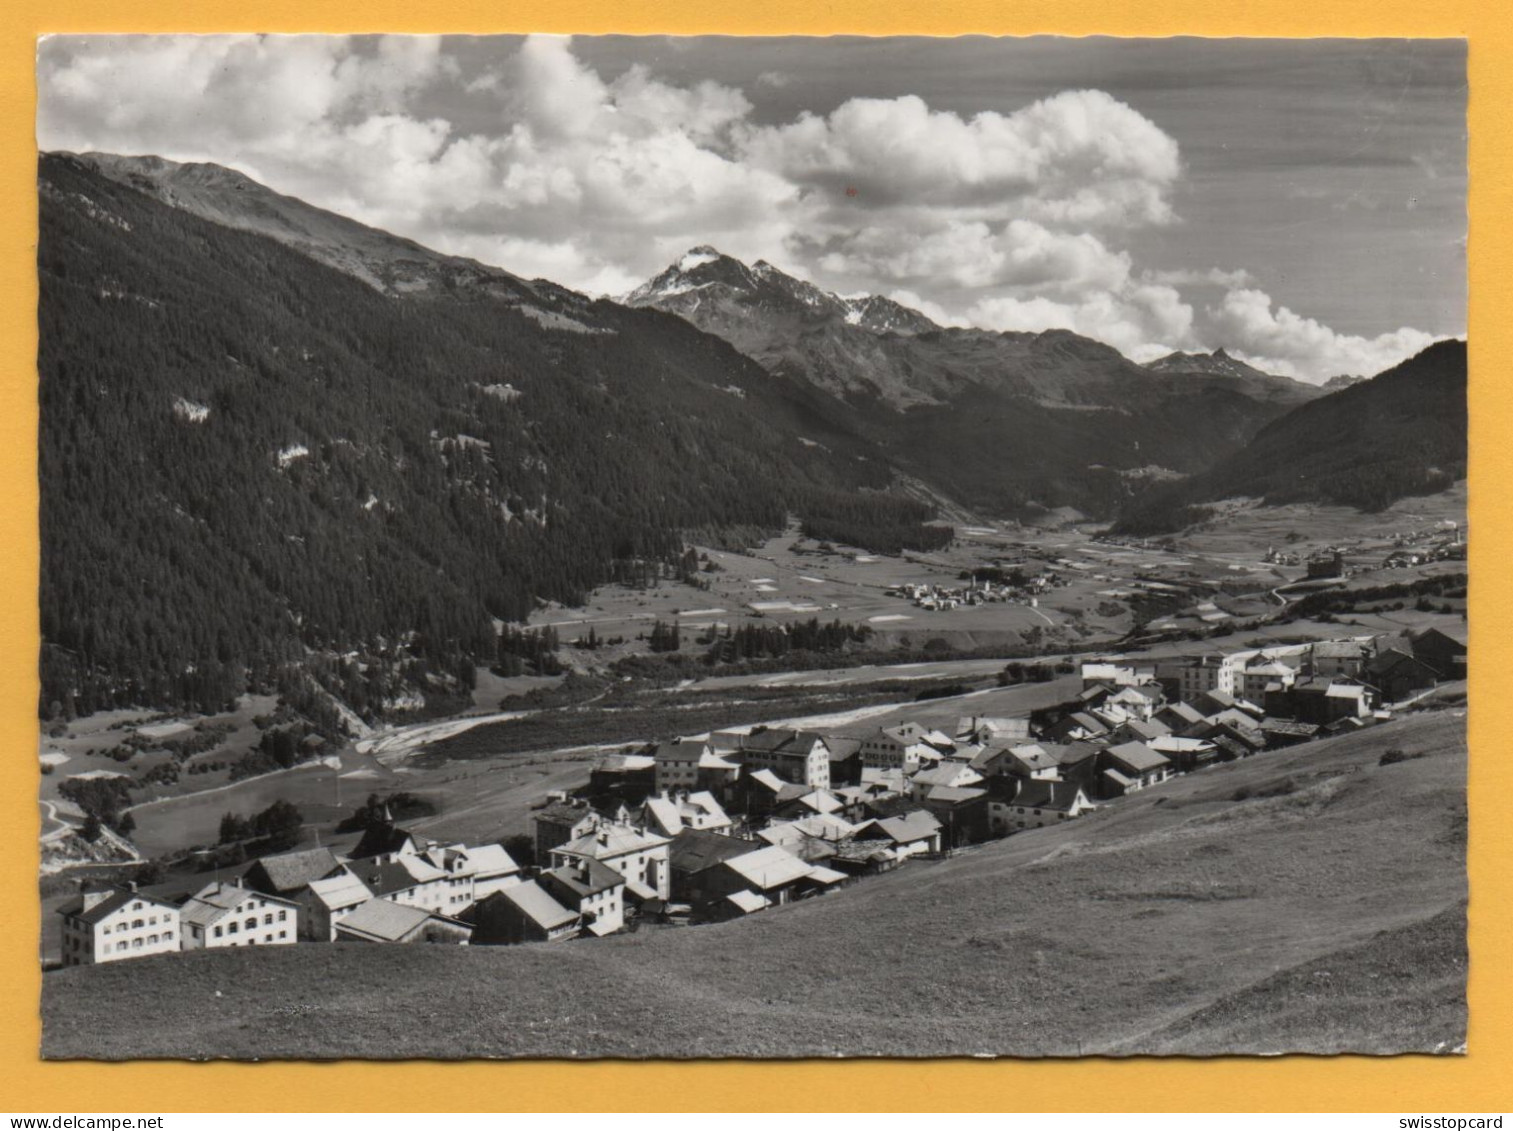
[704,273]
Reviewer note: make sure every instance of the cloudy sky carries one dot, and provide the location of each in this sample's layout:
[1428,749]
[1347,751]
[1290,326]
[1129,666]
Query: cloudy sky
[1301,204]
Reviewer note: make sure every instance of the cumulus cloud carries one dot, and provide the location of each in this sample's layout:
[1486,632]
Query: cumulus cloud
[1080,156]
[1010,221]
[1275,339]
[1143,321]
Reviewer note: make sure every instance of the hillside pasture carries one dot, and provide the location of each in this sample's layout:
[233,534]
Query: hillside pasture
[1310,900]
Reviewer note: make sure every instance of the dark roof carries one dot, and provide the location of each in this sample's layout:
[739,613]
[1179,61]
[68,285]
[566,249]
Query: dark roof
[693,850]
[1184,711]
[842,748]
[1036,794]
[1222,699]
[1233,745]
[678,751]
[1147,730]
[1289,727]
[561,813]
[382,839]
[289,871]
[532,901]
[1138,757]
[781,740]
[1073,752]
[384,878]
[1459,633]
[1392,658]
[117,899]
[590,879]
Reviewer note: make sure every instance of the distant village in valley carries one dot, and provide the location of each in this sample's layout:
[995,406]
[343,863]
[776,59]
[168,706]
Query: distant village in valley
[739,822]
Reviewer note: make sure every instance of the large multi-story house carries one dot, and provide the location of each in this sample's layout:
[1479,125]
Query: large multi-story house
[800,757]
[897,748]
[1207,673]
[107,924]
[638,855]
[325,902]
[416,882]
[226,914]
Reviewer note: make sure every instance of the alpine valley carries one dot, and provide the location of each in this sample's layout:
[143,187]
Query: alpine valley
[272,437]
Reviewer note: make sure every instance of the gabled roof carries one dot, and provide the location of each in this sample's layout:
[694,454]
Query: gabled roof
[815,801]
[561,813]
[118,898]
[1384,662]
[818,827]
[1147,730]
[1073,753]
[842,748]
[214,901]
[783,741]
[663,813]
[1138,757]
[918,824]
[386,877]
[610,840]
[1215,698]
[382,920]
[1458,633]
[999,726]
[679,751]
[1088,722]
[589,878]
[491,860]
[290,871]
[748,901]
[953,795]
[1233,746]
[383,840]
[768,780]
[1061,796]
[950,774]
[1184,711]
[767,868]
[340,890]
[693,850]
[532,901]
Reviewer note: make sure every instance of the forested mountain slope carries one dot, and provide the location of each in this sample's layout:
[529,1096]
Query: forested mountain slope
[1402,433]
[1047,419]
[247,455]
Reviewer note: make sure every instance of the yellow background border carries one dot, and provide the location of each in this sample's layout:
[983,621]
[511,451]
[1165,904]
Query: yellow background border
[1478,1081]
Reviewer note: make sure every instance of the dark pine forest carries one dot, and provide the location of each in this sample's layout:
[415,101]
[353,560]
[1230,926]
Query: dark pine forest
[249,459]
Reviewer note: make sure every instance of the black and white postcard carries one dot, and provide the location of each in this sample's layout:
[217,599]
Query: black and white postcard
[784,547]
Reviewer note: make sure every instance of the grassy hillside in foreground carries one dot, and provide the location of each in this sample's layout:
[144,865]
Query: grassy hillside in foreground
[1202,918]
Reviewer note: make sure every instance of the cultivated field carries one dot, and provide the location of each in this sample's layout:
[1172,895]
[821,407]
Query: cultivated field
[1310,900]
